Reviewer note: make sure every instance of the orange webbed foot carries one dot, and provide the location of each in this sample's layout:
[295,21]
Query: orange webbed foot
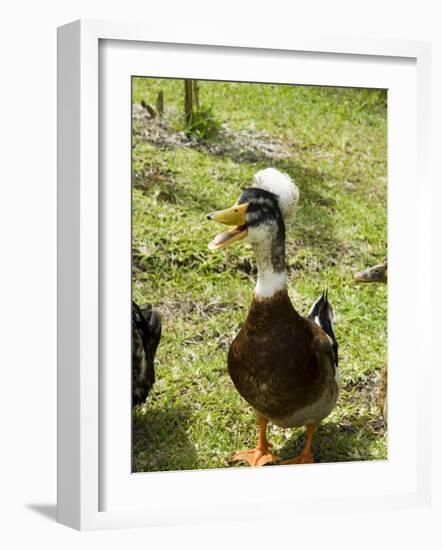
[306,456]
[255,457]
[301,459]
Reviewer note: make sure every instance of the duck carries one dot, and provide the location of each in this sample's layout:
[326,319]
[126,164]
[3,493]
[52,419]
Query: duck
[283,364]
[146,335]
[322,314]
[378,274]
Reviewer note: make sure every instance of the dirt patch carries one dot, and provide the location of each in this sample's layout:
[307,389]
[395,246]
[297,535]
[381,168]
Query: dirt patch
[243,145]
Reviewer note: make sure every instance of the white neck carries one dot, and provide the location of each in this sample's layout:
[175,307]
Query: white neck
[269,281]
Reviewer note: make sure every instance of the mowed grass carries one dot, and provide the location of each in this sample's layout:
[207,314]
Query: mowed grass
[332,142]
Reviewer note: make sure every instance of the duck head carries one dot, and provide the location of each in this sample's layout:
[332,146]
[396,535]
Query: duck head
[259,212]
[258,216]
[375,274]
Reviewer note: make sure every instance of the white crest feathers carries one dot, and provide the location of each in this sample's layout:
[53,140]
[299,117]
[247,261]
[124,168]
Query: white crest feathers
[281,185]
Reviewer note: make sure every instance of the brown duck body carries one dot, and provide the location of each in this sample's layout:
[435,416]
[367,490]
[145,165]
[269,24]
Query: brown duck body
[378,274]
[282,364]
[382,394]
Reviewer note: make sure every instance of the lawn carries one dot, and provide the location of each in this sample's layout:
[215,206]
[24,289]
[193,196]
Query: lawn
[333,143]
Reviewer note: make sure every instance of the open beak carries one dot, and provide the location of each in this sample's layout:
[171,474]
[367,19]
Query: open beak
[236,216]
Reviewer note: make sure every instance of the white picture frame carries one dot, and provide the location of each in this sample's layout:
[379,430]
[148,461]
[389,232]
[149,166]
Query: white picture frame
[81,441]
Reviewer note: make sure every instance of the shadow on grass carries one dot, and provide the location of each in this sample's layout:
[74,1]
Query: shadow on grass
[160,441]
[334,443]
[314,222]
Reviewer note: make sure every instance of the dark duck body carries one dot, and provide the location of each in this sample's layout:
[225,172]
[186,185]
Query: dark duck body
[284,365]
[146,334]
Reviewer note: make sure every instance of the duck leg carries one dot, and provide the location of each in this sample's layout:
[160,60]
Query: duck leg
[306,456]
[261,455]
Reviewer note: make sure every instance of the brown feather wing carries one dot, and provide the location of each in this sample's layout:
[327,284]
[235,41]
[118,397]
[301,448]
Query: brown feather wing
[276,361]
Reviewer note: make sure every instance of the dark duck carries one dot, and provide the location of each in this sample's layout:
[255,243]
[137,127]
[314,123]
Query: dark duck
[322,314]
[283,364]
[146,334]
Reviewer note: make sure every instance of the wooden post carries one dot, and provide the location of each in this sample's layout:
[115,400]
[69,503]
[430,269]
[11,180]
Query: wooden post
[148,108]
[191,98]
[196,99]
[160,103]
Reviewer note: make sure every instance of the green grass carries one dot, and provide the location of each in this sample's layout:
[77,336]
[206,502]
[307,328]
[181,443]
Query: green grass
[333,143]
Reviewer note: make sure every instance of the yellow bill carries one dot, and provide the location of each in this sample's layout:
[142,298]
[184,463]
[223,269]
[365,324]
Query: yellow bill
[236,216]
